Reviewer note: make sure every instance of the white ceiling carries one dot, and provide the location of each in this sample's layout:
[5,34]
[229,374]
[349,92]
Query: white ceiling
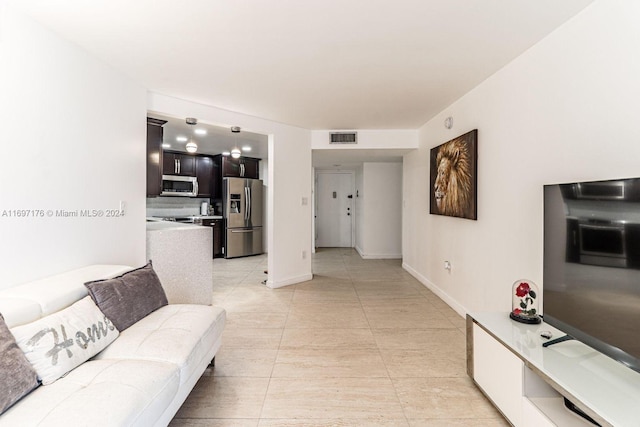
[317,64]
[216,140]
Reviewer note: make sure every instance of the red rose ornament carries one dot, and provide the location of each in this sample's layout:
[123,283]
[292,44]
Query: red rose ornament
[523,289]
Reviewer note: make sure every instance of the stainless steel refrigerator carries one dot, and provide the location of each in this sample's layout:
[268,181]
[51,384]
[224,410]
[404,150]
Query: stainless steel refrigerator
[242,202]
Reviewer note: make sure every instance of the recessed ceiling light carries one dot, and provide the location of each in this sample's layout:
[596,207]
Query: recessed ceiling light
[246,148]
[165,145]
[225,153]
[201,131]
[182,138]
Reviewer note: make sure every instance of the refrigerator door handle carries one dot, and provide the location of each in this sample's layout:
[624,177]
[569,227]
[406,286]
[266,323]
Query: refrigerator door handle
[241,231]
[246,204]
[250,207]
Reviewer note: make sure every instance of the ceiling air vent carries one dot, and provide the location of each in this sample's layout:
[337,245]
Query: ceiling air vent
[343,138]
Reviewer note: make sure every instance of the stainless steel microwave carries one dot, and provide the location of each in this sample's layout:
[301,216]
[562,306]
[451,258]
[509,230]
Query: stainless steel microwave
[175,185]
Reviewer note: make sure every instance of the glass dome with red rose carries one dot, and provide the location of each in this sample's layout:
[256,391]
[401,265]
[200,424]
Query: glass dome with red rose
[524,302]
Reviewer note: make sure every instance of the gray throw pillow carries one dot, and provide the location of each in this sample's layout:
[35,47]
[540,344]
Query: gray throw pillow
[17,376]
[130,297]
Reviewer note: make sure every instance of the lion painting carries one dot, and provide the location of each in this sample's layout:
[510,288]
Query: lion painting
[453,176]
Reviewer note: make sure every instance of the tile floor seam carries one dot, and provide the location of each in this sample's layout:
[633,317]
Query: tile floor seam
[379,351]
[273,366]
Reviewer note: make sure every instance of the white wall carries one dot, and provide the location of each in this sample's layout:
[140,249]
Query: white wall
[565,110]
[368,139]
[264,176]
[380,211]
[73,137]
[289,178]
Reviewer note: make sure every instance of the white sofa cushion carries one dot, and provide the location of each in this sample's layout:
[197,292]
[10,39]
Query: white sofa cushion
[51,294]
[100,393]
[58,343]
[181,334]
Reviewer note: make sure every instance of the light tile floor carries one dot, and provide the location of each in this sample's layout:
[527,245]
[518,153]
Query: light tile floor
[362,344]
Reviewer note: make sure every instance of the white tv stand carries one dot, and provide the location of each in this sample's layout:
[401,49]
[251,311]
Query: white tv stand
[527,382]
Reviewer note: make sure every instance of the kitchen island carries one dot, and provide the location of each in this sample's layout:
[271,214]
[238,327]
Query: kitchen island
[182,258]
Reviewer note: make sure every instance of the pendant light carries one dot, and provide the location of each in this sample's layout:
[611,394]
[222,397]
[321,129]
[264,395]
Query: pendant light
[191,146]
[235,152]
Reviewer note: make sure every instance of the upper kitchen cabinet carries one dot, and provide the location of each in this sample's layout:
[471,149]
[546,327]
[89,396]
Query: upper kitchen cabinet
[178,164]
[249,167]
[243,167]
[204,173]
[154,156]
[230,167]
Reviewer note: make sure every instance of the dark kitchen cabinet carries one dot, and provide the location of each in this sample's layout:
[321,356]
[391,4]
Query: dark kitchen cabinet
[230,167]
[217,226]
[178,164]
[204,173]
[250,167]
[154,156]
[243,167]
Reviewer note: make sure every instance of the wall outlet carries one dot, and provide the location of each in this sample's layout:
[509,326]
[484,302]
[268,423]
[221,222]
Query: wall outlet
[305,201]
[304,254]
[447,265]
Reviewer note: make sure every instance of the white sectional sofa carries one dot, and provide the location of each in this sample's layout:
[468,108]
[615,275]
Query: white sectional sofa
[140,379]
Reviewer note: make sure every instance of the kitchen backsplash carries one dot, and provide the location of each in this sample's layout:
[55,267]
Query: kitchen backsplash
[174,206]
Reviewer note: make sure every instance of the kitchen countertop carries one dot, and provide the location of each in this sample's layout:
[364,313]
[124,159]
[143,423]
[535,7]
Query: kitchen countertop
[161,218]
[170,225]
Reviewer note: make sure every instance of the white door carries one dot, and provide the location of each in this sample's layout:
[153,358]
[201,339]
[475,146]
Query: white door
[334,209]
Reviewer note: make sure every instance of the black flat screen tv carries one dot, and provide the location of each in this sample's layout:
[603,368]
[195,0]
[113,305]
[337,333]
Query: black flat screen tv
[591,270]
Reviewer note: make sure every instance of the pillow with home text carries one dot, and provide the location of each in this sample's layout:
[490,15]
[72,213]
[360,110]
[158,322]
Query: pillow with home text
[56,344]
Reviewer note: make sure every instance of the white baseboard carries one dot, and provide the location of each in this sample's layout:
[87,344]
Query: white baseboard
[455,305]
[364,255]
[289,281]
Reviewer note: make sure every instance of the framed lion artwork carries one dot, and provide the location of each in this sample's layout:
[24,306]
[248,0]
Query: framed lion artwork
[454,168]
